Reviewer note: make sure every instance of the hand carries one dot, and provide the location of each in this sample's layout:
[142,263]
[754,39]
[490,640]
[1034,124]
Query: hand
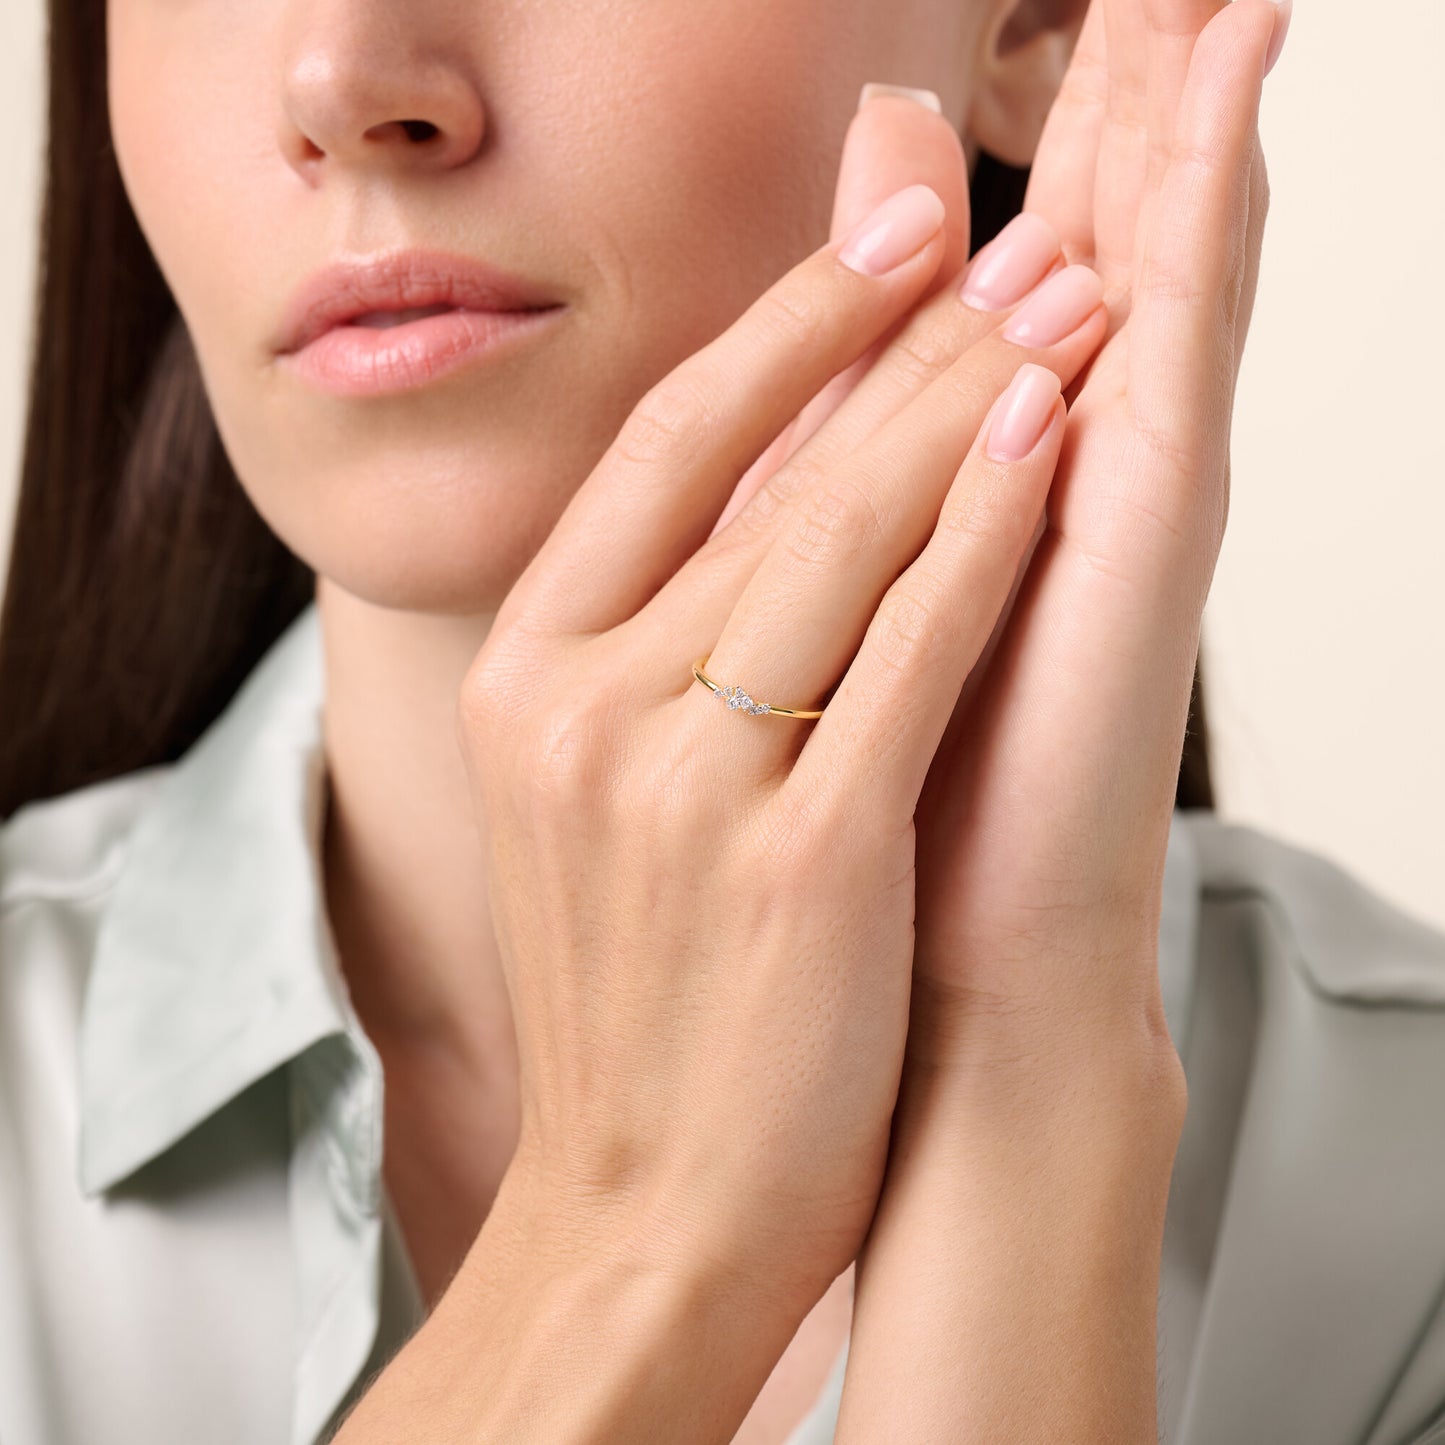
[706,918]
[1043,825]
[892,142]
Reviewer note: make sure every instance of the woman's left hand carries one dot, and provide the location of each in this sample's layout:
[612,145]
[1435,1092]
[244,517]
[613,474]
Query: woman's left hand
[1043,824]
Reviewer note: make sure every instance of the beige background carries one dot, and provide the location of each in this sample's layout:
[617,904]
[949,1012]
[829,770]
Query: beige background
[1322,637]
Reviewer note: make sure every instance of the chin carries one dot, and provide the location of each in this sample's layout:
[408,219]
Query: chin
[417,544]
[431,503]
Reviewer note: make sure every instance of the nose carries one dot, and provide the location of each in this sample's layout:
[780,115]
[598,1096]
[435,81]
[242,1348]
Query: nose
[373,86]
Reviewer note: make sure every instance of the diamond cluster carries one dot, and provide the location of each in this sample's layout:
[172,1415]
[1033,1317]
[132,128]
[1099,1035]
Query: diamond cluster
[736,698]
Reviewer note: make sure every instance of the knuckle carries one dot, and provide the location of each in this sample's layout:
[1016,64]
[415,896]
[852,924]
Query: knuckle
[1142,525]
[672,420]
[508,673]
[1161,151]
[562,754]
[907,628]
[1179,456]
[1170,20]
[791,317]
[971,385]
[661,789]
[922,351]
[1208,155]
[799,475]
[1160,281]
[835,522]
[1128,104]
[1085,85]
[478,710]
[970,515]
[489,699]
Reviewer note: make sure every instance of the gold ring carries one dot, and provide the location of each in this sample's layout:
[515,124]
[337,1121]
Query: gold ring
[738,700]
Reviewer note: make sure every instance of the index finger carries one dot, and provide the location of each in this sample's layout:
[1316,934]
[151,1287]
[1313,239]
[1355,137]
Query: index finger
[652,499]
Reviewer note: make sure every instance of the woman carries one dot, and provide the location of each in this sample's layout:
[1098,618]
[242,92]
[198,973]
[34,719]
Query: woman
[764,1078]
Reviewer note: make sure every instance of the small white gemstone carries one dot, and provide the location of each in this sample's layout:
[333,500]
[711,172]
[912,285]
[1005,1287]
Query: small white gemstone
[736,698]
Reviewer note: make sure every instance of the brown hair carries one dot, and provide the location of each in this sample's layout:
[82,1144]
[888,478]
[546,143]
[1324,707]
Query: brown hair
[143,585]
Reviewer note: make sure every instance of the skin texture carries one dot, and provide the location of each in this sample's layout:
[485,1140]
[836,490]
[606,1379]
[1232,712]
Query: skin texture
[411,508]
[629,187]
[570,153]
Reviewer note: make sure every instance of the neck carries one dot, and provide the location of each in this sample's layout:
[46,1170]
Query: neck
[403,846]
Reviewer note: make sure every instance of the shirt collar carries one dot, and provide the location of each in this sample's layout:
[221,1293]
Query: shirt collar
[214,962]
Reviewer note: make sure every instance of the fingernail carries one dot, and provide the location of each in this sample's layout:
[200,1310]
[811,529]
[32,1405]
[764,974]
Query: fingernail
[1012,264]
[896,230]
[923,97]
[1284,8]
[1021,414]
[1058,308]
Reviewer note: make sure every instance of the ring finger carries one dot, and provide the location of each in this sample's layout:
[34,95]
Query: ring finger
[1001,281]
[800,617]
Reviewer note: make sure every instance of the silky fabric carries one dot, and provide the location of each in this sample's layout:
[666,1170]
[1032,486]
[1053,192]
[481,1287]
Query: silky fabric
[195,1238]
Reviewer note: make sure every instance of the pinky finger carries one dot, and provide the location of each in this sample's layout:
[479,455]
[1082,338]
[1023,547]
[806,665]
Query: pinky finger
[886,718]
[1253,246]
[1194,264]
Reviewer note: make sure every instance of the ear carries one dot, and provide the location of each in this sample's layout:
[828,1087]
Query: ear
[1023,52]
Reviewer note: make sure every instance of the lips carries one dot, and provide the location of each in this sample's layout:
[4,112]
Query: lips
[384,319]
[393,289]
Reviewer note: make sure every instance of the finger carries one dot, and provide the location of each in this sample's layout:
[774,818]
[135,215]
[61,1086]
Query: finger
[1194,260]
[653,497]
[894,140]
[1061,179]
[881,728]
[1105,625]
[1003,275]
[1173,27]
[697,602]
[801,616]
[1123,143]
[1253,246]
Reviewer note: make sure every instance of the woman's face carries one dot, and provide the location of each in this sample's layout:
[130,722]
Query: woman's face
[652,164]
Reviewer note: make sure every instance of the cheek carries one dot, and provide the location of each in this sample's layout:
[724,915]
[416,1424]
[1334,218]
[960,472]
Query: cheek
[720,171]
[672,169]
[188,128]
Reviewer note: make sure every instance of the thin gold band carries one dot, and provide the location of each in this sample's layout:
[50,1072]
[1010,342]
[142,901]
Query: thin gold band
[737,699]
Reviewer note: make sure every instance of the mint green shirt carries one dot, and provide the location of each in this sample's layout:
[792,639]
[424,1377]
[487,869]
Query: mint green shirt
[195,1239]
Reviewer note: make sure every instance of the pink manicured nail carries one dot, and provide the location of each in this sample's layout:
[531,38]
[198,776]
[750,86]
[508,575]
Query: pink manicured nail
[1021,414]
[1057,308]
[927,98]
[896,230]
[1012,264]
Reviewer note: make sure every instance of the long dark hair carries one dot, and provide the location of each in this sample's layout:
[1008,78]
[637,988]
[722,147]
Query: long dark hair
[143,585]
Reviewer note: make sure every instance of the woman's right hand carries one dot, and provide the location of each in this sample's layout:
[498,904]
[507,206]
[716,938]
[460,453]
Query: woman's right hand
[705,916]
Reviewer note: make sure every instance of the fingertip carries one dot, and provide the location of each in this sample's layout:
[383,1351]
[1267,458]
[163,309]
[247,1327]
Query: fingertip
[1024,412]
[894,232]
[1284,9]
[1258,25]
[1004,270]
